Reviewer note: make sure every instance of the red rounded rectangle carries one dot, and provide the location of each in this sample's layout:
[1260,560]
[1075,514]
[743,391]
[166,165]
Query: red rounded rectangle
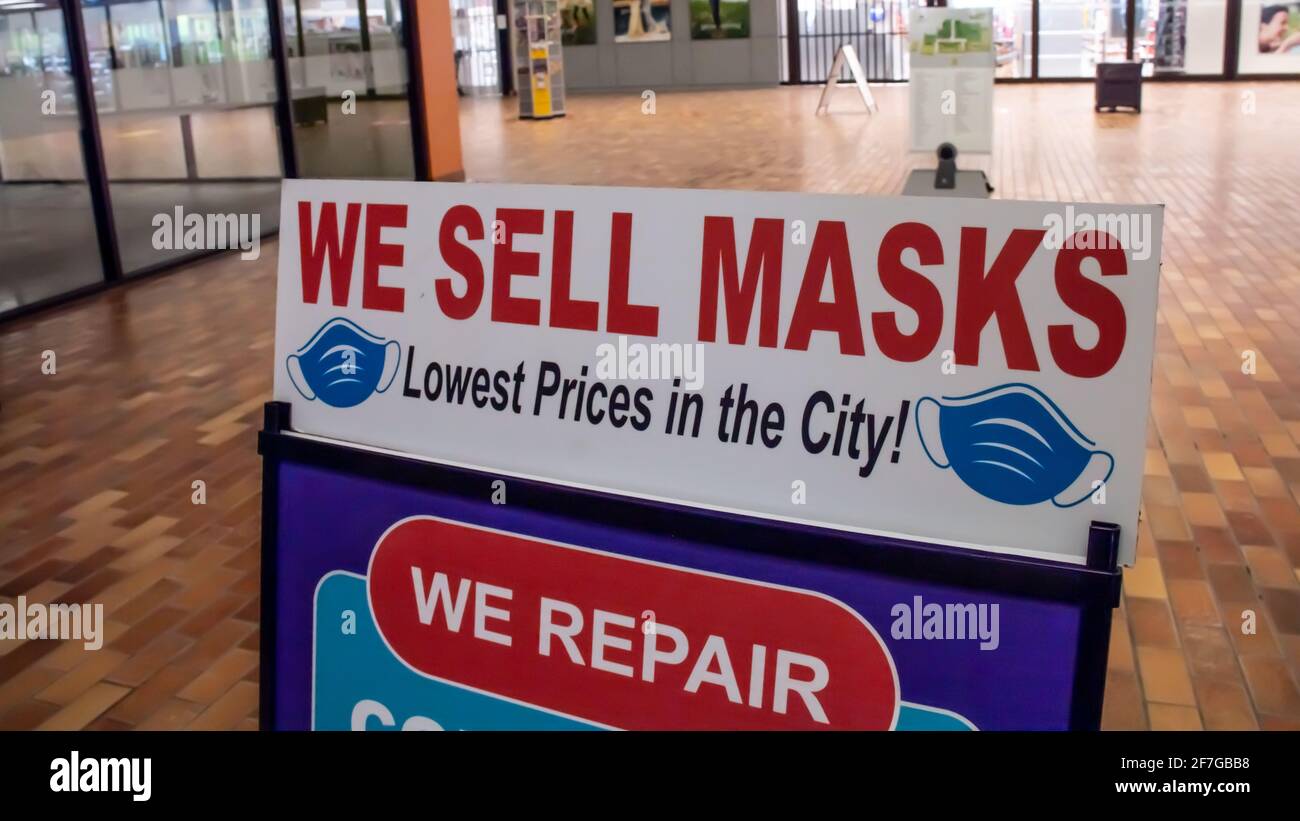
[623,642]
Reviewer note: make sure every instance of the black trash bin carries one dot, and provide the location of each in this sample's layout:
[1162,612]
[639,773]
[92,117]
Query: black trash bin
[1119,85]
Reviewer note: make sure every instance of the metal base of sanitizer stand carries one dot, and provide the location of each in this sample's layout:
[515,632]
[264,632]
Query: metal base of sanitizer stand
[920,183]
[946,180]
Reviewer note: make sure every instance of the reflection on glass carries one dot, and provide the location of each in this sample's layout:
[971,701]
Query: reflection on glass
[1012,33]
[351,114]
[47,231]
[1075,35]
[185,91]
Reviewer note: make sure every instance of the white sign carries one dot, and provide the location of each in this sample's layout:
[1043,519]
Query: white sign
[950,93]
[974,373]
[846,57]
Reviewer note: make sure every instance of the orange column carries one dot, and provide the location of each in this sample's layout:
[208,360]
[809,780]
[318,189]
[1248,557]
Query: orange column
[437,67]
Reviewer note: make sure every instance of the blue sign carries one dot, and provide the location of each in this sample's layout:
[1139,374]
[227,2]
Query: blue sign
[970,651]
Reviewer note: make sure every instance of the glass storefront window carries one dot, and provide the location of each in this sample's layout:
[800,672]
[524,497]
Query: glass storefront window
[1180,36]
[48,242]
[474,40]
[1012,33]
[347,72]
[185,91]
[877,30]
[1075,35]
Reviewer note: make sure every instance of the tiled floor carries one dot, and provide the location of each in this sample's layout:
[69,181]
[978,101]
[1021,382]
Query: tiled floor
[160,384]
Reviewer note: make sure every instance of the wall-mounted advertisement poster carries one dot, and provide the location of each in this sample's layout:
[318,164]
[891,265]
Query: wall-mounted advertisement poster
[642,21]
[719,19]
[1279,28]
[1270,37]
[577,22]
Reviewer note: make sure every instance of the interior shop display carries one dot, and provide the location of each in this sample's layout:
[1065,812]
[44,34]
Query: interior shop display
[1184,37]
[1012,37]
[539,62]
[1169,43]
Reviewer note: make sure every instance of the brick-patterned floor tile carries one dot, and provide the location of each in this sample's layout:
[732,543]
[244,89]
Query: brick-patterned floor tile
[87,707]
[1144,580]
[1225,706]
[1173,717]
[94,667]
[219,678]
[175,714]
[1152,623]
[1123,708]
[1164,676]
[1272,686]
[227,711]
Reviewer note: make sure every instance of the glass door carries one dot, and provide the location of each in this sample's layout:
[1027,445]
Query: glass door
[1075,35]
[48,240]
[474,45]
[185,91]
[348,75]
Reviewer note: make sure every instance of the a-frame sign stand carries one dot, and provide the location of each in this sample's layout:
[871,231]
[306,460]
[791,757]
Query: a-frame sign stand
[846,57]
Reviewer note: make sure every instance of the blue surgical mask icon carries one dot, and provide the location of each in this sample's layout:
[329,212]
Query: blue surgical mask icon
[1013,445]
[343,364]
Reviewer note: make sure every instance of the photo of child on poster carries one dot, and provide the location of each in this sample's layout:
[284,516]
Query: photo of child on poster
[642,21]
[1279,28]
[719,19]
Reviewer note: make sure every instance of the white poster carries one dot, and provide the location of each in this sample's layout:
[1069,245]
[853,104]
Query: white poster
[1270,37]
[952,65]
[968,372]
